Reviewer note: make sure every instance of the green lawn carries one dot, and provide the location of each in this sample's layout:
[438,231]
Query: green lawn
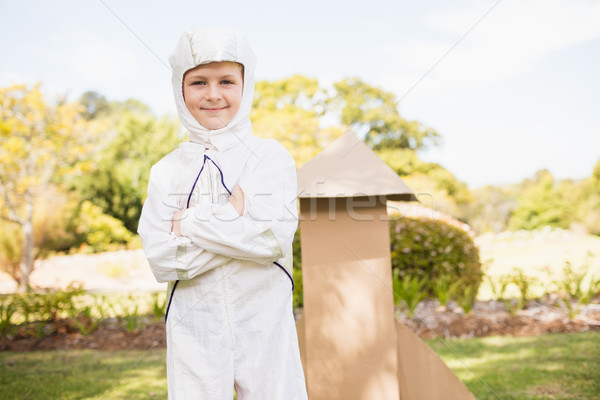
[83,374]
[559,366]
[555,366]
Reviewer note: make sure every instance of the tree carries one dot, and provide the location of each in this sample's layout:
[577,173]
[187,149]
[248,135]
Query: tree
[491,209]
[40,143]
[95,105]
[584,197]
[291,111]
[373,112]
[134,141]
[540,204]
[305,116]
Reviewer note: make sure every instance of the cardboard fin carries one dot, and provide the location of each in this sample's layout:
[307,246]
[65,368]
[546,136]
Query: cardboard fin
[422,375]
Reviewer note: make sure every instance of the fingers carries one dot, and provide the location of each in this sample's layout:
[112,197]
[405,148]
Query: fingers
[176,222]
[237,199]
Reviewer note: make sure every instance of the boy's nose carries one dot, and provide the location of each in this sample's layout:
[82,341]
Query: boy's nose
[214,92]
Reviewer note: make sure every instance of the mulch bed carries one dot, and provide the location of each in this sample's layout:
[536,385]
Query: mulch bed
[429,321]
[489,318]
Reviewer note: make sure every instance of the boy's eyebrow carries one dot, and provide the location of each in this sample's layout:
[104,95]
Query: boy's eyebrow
[193,75]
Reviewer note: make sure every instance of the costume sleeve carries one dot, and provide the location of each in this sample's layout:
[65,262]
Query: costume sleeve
[266,230]
[170,257]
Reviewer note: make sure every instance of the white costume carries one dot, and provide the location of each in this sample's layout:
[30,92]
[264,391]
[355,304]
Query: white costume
[229,319]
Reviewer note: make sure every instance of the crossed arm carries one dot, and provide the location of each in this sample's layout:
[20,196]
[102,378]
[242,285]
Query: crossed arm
[236,199]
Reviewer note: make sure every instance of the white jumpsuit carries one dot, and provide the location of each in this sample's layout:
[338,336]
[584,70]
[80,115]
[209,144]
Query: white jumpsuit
[230,320]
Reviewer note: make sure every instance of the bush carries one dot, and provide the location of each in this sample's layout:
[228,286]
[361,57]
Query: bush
[432,250]
[102,232]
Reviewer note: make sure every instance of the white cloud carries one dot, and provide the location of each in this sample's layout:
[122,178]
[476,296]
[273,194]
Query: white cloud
[101,61]
[510,41]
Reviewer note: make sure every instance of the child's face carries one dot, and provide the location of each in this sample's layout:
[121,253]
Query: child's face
[213,93]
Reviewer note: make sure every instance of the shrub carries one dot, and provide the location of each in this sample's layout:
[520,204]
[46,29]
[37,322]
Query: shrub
[431,249]
[101,231]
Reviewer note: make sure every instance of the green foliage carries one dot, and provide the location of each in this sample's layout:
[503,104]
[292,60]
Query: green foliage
[572,308]
[298,282]
[290,110]
[523,282]
[430,249]
[158,304]
[466,298]
[44,313]
[94,104]
[405,161]
[305,116]
[592,291]
[372,111]
[572,280]
[99,231]
[434,194]
[540,204]
[10,250]
[130,317]
[490,209]
[49,305]
[408,290]
[585,198]
[498,286]
[444,289]
[135,141]
[7,312]
[572,283]
[84,319]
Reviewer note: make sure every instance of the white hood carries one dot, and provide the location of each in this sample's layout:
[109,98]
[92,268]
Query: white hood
[202,46]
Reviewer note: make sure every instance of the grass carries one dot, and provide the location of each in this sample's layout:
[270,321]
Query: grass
[83,374]
[558,367]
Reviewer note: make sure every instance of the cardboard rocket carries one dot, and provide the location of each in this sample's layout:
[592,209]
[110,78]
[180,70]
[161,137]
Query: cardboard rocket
[350,342]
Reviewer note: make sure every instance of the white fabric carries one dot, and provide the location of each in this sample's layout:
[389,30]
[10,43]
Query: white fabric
[230,320]
[203,46]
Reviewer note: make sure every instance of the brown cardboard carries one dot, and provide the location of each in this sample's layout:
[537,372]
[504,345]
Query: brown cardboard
[301,340]
[348,336]
[422,374]
[347,168]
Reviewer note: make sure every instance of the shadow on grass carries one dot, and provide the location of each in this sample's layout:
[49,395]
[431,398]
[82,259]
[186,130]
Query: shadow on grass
[554,366]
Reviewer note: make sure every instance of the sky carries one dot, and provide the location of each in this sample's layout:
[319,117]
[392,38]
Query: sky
[512,86]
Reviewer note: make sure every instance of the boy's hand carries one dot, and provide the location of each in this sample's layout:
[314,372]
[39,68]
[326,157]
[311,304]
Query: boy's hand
[237,199]
[176,222]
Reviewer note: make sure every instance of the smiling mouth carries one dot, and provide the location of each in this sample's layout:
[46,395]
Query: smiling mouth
[214,110]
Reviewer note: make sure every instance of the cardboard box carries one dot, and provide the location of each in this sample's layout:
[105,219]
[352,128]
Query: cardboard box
[348,336]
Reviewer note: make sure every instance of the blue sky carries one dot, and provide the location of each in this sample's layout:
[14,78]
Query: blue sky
[514,86]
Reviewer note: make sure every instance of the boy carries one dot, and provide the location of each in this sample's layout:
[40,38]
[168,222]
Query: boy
[218,225]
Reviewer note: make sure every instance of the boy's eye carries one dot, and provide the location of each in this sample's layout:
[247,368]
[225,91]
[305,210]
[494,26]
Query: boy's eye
[198,83]
[227,82]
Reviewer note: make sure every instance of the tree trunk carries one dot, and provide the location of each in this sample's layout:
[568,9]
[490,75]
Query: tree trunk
[26,265]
